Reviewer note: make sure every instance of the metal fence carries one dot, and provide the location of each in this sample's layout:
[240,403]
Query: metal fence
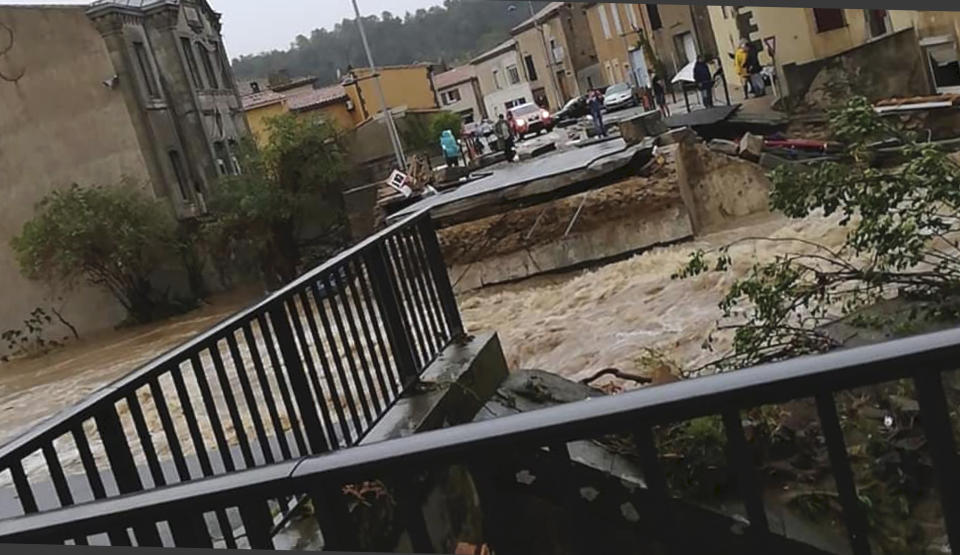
[186,514]
[306,371]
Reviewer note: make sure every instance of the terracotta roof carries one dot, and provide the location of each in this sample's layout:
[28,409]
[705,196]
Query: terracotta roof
[260,99]
[455,76]
[316,98]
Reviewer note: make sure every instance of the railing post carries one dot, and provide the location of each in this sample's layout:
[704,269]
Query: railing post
[299,385]
[123,465]
[451,311]
[388,300]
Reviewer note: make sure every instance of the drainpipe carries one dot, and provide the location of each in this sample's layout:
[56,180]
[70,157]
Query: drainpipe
[549,56]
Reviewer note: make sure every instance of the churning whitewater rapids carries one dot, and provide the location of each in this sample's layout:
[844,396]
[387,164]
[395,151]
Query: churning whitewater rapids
[572,325]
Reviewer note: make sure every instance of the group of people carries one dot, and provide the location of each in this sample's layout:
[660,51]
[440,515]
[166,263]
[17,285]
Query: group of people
[750,70]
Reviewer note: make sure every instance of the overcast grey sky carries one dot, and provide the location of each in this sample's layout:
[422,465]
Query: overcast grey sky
[252,26]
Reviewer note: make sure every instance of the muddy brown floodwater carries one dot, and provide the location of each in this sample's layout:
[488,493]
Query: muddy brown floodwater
[572,325]
[34,389]
[578,324]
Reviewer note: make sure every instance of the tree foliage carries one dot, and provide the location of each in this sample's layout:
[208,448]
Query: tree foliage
[288,188]
[902,242]
[112,237]
[452,33]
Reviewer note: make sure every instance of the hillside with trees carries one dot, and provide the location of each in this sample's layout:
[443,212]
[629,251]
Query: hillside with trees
[452,33]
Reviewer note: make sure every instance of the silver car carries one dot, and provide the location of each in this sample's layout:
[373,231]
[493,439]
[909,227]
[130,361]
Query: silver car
[619,96]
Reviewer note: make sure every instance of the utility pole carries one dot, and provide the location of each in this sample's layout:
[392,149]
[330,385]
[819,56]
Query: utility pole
[551,63]
[387,114]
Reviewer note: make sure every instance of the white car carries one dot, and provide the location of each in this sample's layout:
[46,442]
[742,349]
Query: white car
[619,96]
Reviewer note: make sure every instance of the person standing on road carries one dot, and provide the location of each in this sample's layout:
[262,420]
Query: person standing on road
[704,80]
[660,94]
[451,149]
[755,71]
[504,137]
[595,103]
[740,62]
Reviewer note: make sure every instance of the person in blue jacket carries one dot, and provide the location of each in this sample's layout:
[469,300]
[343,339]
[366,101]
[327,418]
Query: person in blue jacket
[451,149]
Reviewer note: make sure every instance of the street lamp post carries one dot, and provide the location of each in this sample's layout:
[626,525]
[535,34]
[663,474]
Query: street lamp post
[391,125]
[551,62]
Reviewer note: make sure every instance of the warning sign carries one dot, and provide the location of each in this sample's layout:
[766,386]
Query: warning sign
[771,43]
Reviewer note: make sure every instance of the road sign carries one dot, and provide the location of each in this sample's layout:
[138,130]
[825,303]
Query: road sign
[398,181]
[771,43]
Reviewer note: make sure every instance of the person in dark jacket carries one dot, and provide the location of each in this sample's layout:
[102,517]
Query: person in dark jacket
[595,103]
[704,80]
[660,94]
[755,71]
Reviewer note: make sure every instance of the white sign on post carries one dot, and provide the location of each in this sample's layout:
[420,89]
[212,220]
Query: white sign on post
[398,181]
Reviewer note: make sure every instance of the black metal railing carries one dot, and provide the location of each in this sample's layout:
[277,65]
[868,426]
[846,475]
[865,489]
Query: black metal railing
[306,371]
[145,518]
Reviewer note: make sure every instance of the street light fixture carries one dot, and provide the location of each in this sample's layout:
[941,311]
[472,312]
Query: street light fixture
[391,125]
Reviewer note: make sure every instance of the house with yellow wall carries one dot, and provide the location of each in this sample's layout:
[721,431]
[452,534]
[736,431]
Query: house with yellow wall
[260,106]
[405,87]
[800,35]
[330,103]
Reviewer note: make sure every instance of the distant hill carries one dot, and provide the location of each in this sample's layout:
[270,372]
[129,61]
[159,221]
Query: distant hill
[452,33]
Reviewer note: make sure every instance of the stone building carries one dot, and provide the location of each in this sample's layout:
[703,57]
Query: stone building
[798,36]
[459,91]
[503,82]
[559,56]
[120,91]
[676,33]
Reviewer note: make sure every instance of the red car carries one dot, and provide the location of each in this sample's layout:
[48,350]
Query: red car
[529,118]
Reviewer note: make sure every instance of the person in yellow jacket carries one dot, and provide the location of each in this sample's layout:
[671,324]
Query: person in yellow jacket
[740,62]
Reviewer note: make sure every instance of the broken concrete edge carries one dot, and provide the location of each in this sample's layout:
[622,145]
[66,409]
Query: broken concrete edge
[452,389]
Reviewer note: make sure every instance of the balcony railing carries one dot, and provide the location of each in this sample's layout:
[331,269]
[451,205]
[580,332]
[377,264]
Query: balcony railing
[309,370]
[185,511]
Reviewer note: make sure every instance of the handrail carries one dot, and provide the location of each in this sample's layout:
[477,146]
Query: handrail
[116,389]
[921,357]
[308,369]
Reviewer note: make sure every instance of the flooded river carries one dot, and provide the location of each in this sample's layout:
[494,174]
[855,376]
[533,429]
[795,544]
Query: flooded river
[572,325]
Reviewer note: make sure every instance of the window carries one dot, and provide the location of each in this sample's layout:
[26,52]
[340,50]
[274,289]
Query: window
[514,74]
[653,12]
[177,164]
[191,63]
[615,11]
[604,22]
[149,77]
[233,156]
[828,19]
[531,68]
[452,96]
[496,79]
[225,78]
[208,65]
[944,63]
[220,150]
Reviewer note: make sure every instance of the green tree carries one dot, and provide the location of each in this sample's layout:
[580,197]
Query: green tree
[111,237]
[287,197]
[445,121]
[903,224]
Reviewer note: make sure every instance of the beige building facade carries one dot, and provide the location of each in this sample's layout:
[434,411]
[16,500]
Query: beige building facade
[799,35]
[102,96]
[676,34]
[558,53]
[503,82]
